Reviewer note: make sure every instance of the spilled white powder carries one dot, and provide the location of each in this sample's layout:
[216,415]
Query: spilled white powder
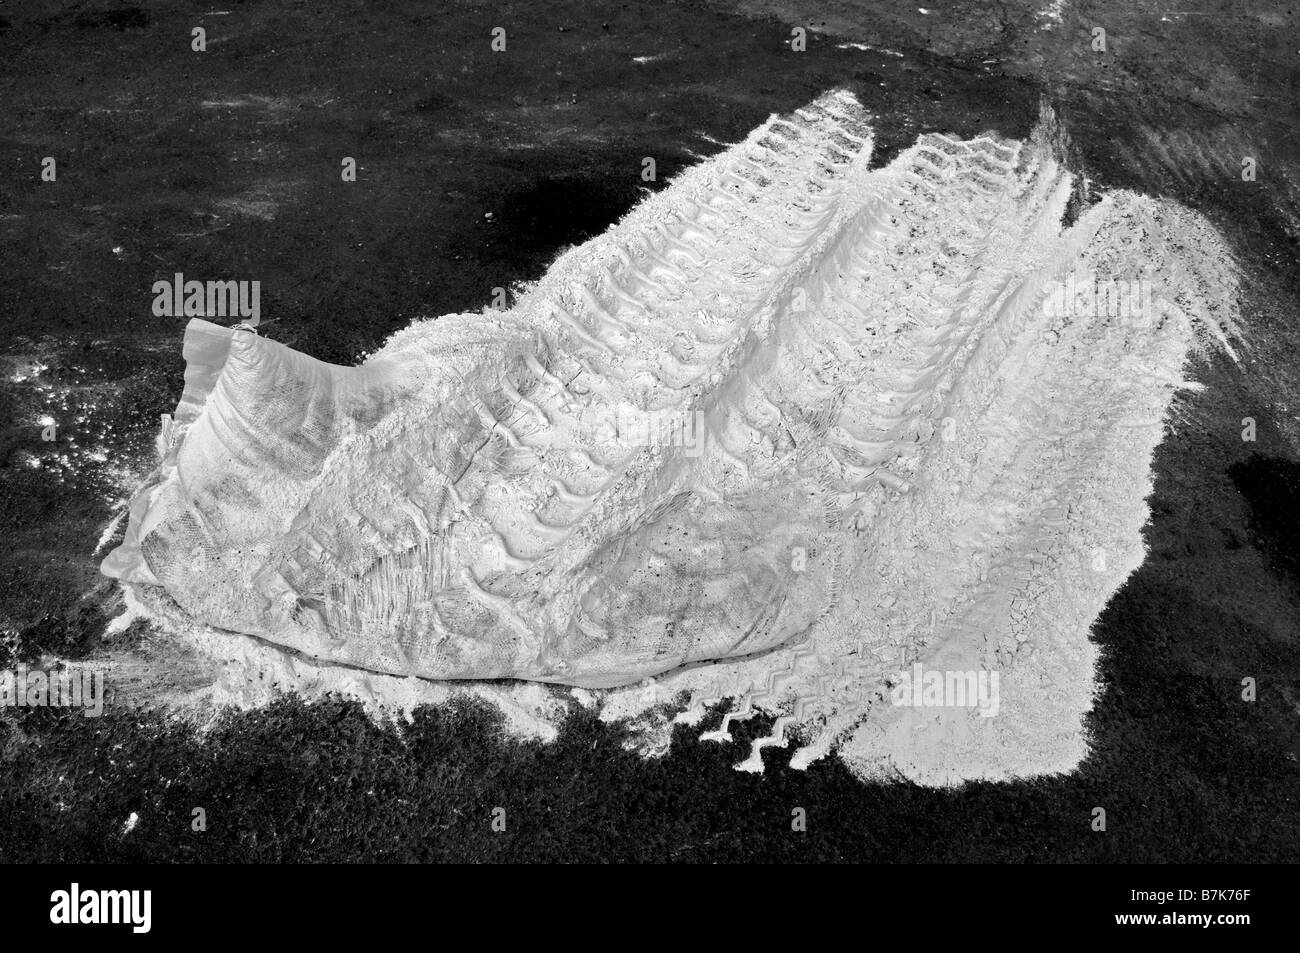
[110,530]
[926,441]
[198,672]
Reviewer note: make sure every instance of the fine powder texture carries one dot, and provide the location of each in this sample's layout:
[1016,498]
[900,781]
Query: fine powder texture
[790,428]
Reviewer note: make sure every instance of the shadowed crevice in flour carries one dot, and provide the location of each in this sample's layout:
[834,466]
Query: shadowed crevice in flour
[813,422]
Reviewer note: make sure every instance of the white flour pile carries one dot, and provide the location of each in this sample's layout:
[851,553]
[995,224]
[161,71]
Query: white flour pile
[792,431]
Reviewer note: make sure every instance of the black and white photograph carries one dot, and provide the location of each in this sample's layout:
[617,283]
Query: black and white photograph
[661,432]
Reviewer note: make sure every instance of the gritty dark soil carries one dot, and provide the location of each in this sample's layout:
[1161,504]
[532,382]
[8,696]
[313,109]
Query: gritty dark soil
[475,169]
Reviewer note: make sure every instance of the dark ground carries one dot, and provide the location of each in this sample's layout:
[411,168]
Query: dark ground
[226,164]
